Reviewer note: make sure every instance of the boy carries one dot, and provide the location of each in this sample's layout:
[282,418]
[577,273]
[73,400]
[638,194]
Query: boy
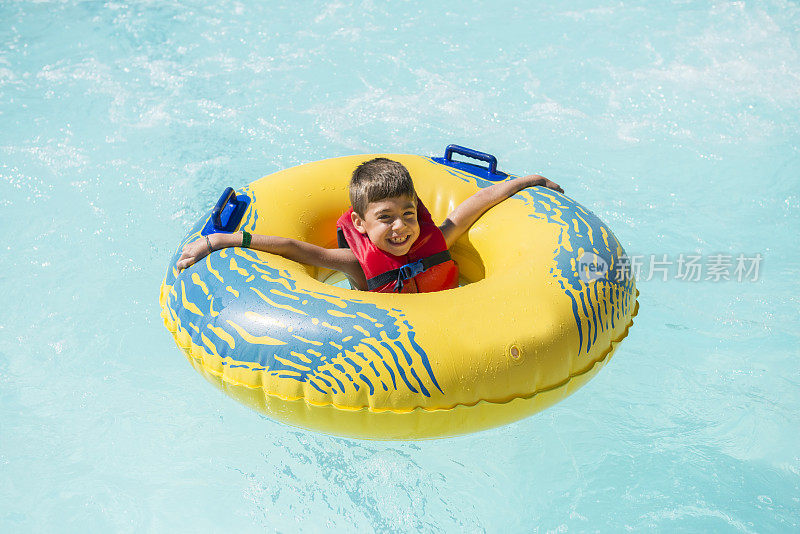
[392,243]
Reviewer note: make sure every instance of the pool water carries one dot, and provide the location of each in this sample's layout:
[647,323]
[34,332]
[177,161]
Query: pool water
[679,126]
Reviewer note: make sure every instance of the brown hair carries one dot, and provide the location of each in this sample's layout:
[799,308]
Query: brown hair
[376,180]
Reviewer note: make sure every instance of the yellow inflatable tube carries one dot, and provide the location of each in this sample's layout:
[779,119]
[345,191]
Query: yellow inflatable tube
[545,302]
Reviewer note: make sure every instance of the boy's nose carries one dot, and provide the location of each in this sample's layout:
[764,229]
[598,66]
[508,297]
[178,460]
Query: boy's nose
[398,224]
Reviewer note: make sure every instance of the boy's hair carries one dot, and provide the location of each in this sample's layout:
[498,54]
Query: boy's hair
[376,180]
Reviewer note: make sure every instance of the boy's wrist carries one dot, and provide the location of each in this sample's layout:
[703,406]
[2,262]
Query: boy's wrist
[219,241]
[534,180]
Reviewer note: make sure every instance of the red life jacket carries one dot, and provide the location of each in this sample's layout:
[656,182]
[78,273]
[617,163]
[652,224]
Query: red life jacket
[427,266]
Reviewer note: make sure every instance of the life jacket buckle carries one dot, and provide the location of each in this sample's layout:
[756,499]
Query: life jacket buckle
[408,271]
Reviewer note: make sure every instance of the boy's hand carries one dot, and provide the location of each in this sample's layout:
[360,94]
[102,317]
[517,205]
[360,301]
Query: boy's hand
[535,179]
[192,253]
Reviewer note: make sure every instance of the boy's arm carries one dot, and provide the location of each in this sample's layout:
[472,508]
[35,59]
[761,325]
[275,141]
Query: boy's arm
[338,259]
[471,209]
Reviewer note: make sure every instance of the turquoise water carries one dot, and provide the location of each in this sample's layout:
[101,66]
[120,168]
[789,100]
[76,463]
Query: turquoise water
[678,126]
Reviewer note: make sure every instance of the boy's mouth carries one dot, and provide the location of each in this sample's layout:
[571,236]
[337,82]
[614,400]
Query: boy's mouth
[397,241]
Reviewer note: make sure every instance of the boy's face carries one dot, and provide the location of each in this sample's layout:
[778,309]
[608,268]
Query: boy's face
[391,224]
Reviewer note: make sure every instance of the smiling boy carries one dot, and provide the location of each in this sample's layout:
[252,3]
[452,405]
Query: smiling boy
[388,241]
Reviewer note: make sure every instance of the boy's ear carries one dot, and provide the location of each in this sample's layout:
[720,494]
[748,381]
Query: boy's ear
[358,222]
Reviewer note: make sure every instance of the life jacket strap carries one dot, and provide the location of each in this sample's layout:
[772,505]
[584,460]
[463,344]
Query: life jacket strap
[341,242]
[407,271]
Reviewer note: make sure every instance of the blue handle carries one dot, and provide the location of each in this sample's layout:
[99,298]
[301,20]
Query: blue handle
[470,153]
[216,215]
[227,213]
